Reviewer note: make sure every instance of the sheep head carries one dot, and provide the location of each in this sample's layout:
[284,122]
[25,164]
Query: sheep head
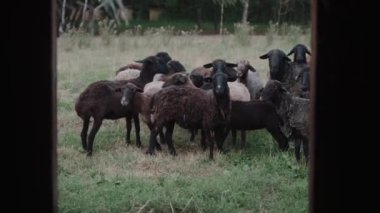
[299,52]
[277,62]
[129,91]
[243,66]
[164,56]
[154,64]
[219,83]
[175,66]
[176,79]
[220,65]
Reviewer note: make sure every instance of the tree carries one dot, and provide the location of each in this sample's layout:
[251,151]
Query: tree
[245,11]
[223,3]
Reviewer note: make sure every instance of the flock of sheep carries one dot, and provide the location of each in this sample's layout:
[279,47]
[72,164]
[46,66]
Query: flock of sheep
[216,98]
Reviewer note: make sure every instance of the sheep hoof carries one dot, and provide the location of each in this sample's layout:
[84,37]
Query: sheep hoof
[89,153]
[149,152]
[222,151]
[158,147]
[173,152]
[128,141]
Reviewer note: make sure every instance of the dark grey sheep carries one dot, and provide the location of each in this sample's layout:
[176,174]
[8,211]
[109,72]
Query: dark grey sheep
[294,111]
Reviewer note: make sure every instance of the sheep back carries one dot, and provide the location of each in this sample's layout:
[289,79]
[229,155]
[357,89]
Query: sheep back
[189,111]
[127,74]
[238,91]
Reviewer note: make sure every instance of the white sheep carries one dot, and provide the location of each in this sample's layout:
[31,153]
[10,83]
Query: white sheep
[250,78]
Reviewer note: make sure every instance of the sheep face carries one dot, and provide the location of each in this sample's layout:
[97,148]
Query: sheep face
[219,65]
[197,80]
[176,79]
[164,56]
[128,94]
[277,62]
[220,86]
[272,92]
[155,64]
[299,52]
[243,67]
[175,66]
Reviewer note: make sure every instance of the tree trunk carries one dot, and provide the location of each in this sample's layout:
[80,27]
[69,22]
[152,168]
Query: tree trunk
[63,23]
[221,17]
[84,12]
[123,15]
[245,11]
[199,17]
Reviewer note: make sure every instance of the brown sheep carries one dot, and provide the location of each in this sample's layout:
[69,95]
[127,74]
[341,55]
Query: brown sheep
[192,108]
[101,100]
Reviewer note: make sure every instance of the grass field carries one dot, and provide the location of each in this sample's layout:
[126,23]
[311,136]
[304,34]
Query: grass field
[121,178]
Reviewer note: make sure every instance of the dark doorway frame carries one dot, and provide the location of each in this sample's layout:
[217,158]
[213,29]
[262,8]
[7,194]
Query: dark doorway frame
[34,132]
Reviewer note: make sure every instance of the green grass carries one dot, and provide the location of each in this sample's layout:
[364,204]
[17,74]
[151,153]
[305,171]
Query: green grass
[121,178]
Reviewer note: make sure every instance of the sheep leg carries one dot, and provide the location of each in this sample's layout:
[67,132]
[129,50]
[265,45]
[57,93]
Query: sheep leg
[162,137]
[137,129]
[128,121]
[152,141]
[243,137]
[305,145]
[279,137]
[91,136]
[210,141]
[193,133]
[219,138]
[169,138]
[83,134]
[203,143]
[233,132]
[158,146]
[297,149]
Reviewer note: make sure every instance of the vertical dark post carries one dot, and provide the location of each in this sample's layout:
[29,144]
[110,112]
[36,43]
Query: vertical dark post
[337,82]
[32,88]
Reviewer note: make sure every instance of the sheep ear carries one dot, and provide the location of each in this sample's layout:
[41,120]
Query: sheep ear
[139,90]
[291,52]
[282,89]
[307,51]
[265,56]
[287,59]
[209,65]
[231,65]
[251,68]
[140,61]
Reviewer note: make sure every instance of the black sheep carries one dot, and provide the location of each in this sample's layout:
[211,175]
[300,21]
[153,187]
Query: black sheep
[253,115]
